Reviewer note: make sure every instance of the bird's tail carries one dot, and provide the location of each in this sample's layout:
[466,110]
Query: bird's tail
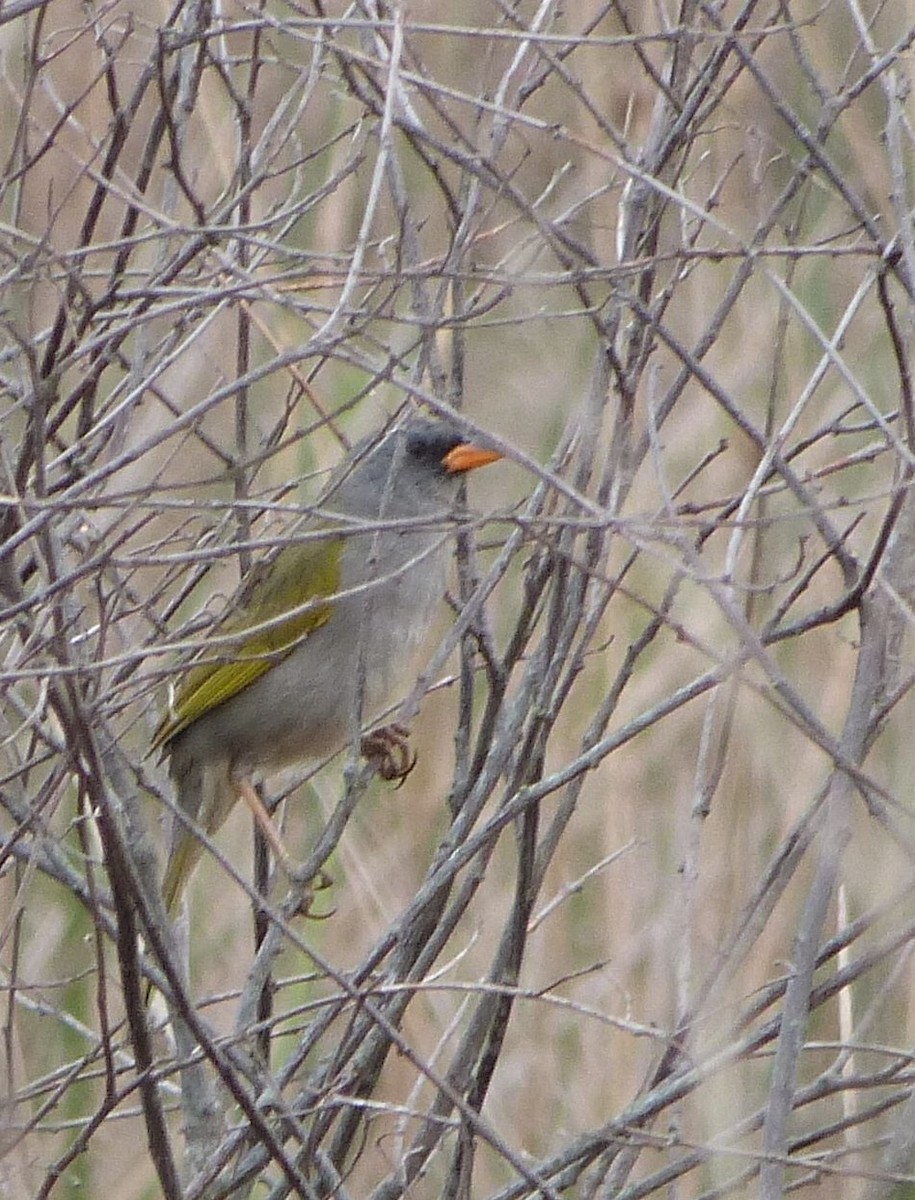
[184,857]
[191,781]
[185,846]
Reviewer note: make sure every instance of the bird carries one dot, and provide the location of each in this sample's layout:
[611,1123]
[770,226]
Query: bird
[320,634]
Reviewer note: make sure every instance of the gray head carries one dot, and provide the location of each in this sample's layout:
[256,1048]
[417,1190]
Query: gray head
[414,470]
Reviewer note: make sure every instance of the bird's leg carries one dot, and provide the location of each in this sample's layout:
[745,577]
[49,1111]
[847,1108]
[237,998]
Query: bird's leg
[388,750]
[245,789]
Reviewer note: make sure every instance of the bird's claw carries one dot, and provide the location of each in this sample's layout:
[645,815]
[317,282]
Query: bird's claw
[308,891]
[388,750]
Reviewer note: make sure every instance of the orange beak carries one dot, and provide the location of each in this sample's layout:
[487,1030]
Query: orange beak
[467,457]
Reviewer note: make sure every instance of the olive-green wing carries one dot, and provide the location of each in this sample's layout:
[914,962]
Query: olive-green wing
[297,575]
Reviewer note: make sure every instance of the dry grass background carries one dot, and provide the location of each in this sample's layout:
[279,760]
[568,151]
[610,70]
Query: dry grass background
[647,245]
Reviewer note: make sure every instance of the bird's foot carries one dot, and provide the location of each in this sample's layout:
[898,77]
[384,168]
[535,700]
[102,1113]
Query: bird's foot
[310,889]
[388,750]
